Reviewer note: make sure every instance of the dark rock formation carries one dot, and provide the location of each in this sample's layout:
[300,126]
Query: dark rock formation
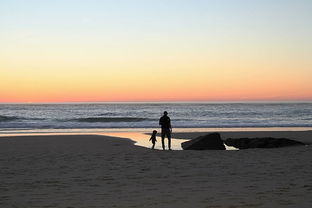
[208,142]
[266,142]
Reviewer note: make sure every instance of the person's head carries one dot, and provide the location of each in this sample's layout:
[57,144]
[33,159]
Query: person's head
[165,113]
[154,132]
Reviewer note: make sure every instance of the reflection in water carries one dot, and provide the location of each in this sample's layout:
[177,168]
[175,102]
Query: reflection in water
[138,136]
[142,139]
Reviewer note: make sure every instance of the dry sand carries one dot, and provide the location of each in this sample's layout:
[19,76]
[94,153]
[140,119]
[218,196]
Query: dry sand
[100,171]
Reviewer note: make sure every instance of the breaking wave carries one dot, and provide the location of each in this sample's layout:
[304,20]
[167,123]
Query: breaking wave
[15,118]
[109,119]
[8,118]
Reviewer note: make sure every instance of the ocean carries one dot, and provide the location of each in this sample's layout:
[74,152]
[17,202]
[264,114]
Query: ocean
[146,115]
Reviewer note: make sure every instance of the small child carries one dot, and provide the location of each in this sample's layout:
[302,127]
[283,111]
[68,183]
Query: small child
[153,138]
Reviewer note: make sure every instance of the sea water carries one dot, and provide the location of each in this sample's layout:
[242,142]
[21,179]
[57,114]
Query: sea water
[146,115]
[135,120]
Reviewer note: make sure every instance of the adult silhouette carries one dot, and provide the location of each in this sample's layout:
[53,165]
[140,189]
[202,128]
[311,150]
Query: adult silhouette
[166,129]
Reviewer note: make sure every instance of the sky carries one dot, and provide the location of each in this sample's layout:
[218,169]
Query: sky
[155,50]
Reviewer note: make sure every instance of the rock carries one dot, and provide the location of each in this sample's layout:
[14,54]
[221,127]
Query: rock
[208,142]
[265,142]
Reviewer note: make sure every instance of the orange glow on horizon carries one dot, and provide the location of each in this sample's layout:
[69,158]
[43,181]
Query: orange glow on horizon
[175,85]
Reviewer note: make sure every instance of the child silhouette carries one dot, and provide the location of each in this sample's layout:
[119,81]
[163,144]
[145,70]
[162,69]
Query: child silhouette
[153,138]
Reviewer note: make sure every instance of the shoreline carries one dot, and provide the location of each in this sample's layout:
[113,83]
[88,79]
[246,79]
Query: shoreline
[177,130]
[141,136]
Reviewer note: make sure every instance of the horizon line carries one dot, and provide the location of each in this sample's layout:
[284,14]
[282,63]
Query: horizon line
[182,101]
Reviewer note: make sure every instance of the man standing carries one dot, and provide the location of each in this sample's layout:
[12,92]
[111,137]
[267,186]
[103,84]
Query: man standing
[166,130]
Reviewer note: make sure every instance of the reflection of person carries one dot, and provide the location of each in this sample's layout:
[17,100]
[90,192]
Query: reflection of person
[153,138]
[166,130]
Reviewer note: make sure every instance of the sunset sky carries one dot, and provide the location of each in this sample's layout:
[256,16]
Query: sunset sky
[155,50]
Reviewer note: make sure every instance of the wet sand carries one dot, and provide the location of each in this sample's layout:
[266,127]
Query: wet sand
[102,171]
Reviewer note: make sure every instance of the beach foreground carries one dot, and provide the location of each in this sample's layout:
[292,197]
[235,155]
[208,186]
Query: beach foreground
[101,171]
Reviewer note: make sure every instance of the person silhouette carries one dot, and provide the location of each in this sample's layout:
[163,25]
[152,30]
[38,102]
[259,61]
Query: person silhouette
[153,139]
[166,129]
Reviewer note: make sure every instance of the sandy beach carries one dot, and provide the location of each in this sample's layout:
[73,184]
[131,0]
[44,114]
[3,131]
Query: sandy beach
[102,171]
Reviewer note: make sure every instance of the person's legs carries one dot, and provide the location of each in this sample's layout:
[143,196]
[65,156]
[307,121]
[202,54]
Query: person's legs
[169,143]
[163,133]
[169,139]
[153,145]
[163,142]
